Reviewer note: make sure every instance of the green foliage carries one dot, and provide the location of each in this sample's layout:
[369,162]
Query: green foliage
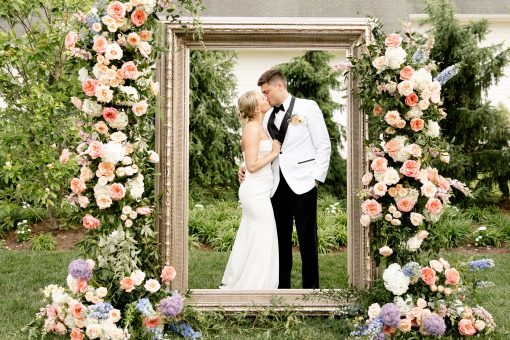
[23,231]
[214,125]
[11,214]
[477,131]
[310,77]
[44,242]
[452,231]
[36,77]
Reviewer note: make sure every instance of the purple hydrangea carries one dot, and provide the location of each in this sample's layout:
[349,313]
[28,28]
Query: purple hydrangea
[172,305]
[80,269]
[434,325]
[390,315]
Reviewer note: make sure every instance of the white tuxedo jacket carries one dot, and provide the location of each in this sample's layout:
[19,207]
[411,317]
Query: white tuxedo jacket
[306,149]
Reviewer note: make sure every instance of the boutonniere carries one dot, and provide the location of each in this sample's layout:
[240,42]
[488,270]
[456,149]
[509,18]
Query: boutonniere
[295,120]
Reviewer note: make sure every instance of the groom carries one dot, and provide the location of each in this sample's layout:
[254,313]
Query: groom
[303,162]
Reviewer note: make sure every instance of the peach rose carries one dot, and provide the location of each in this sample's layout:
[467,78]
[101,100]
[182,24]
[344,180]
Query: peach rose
[392,146]
[393,40]
[105,169]
[466,327]
[138,17]
[401,124]
[378,110]
[100,44]
[428,275]
[410,168]
[117,191]
[101,127]
[71,40]
[405,325]
[434,206]
[64,156]
[168,274]
[76,310]
[116,10]
[452,276]
[412,100]
[428,189]
[387,330]
[110,114]
[104,202]
[144,211]
[152,321]
[145,35]
[417,124]
[405,88]
[379,165]
[104,94]
[89,86]
[77,334]
[392,117]
[127,284]
[406,73]
[380,189]
[78,186]
[95,149]
[371,208]
[433,174]
[393,191]
[140,108]
[90,222]
[129,70]
[133,39]
[405,204]
[81,285]
[443,183]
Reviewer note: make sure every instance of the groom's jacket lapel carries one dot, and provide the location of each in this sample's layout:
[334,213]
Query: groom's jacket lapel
[285,122]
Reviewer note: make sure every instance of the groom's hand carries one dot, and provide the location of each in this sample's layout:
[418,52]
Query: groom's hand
[241,174]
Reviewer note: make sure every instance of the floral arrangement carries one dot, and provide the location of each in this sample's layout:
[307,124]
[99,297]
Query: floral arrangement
[434,304]
[115,44]
[404,195]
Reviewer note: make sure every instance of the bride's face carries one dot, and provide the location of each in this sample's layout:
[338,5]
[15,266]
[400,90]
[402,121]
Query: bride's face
[262,104]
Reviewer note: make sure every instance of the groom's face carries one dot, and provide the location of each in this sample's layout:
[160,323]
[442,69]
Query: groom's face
[274,92]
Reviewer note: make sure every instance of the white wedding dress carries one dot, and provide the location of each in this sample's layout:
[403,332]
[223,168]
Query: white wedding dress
[253,262]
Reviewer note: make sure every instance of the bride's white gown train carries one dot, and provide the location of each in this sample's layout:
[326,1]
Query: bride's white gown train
[253,262]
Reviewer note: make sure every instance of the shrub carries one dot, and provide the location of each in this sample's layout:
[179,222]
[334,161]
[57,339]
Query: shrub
[44,242]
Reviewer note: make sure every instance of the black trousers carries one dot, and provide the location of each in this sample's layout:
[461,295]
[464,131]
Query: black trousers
[289,207]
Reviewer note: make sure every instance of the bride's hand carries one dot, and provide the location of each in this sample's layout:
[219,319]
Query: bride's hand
[276,147]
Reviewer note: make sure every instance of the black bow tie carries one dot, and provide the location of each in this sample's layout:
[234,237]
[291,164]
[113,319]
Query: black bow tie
[278,108]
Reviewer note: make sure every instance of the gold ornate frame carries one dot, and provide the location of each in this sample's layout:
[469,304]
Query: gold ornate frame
[172,138]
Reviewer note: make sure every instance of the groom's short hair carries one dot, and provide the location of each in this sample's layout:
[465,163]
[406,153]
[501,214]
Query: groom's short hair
[272,76]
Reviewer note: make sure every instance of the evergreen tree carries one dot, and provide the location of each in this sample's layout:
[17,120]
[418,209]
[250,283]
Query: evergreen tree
[214,124]
[311,77]
[477,131]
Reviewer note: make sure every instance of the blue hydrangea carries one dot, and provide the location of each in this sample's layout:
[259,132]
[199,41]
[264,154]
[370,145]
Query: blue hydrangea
[446,74]
[99,311]
[373,328]
[481,264]
[144,307]
[185,330]
[411,269]
[419,56]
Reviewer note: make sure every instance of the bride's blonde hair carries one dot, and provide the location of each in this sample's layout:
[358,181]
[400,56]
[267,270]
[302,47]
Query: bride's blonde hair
[247,104]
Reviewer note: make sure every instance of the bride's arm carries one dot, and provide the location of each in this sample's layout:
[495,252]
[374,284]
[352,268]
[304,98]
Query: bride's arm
[251,141]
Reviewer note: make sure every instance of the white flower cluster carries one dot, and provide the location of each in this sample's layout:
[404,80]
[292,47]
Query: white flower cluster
[394,279]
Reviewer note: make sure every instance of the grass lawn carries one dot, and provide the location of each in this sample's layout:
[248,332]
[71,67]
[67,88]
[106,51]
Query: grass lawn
[24,273]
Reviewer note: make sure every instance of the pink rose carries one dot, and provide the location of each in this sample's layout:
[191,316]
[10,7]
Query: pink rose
[77,334]
[90,222]
[371,208]
[379,165]
[406,73]
[405,204]
[110,114]
[71,40]
[392,146]
[412,100]
[117,191]
[64,156]
[133,39]
[144,211]
[76,310]
[410,168]
[127,284]
[95,149]
[452,276]
[378,110]
[78,186]
[105,169]
[81,285]
[428,275]
[90,86]
[434,206]
[140,108]
[138,17]
[101,127]
[145,35]
[100,44]
[104,202]
[116,10]
[168,274]
[129,70]
[466,327]
[393,40]
[417,124]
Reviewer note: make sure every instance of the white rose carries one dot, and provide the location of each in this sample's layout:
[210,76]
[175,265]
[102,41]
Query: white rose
[367,178]
[101,292]
[138,276]
[385,251]
[391,87]
[436,265]
[152,285]
[83,74]
[380,189]
[432,129]
[405,88]
[365,220]
[128,223]
[378,63]
[423,104]
[413,244]
[145,49]
[374,310]
[127,160]
[153,156]
[94,331]
[417,219]
[421,303]
[113,152]
[421,79]
[133,215]
[113,51]
[428,189]
[388,217]
[118,137]
[140,108]
[390,176]
[480,325]
[114,315]
[445,157]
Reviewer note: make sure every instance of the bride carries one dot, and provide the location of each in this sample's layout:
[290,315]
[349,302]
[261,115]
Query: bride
[253,262]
